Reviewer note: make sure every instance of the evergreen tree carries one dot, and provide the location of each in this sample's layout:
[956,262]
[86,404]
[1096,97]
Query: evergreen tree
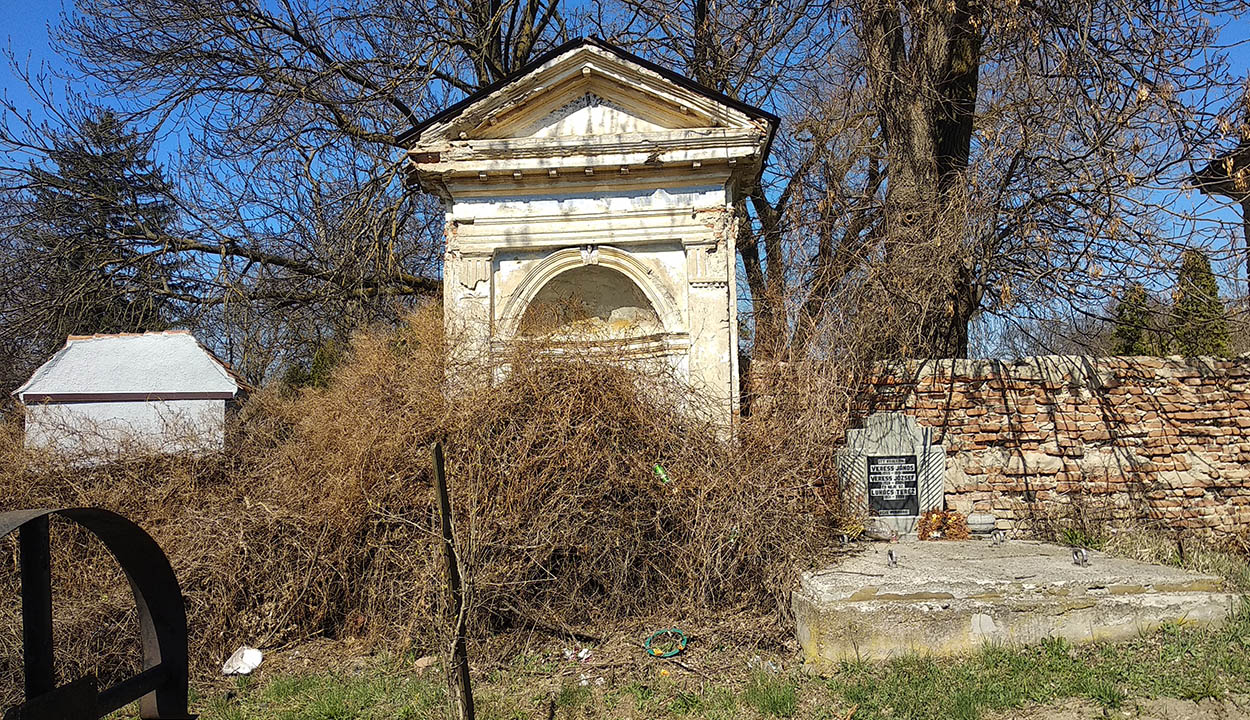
[1199,321]
[88,249]
[315,372]
[1134,333]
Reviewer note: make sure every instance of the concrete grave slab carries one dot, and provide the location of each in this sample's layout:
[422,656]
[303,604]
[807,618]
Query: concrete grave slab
[951,597]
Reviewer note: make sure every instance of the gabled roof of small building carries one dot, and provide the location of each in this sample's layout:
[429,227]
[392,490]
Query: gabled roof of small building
[170,365]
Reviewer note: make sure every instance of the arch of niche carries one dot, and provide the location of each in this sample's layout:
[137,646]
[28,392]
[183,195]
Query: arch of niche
[561,261]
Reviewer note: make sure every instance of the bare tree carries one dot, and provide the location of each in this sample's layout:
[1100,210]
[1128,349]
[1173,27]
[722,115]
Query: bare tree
[288,172]
[938,161]
[1024,152]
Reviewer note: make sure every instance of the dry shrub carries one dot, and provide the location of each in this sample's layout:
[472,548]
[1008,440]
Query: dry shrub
[1228,557]
[943,525]
[95,624]
[1080,518]
[319,519]
[567,518]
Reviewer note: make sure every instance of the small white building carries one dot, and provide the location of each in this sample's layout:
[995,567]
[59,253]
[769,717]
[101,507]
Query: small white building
[157,392]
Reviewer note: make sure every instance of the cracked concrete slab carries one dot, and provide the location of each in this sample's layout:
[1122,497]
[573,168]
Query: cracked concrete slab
[950,597]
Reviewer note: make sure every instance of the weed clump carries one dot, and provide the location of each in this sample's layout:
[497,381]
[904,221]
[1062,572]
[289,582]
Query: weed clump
[320,520]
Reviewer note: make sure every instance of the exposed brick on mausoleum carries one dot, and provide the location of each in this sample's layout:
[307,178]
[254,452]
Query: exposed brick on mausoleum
[1166,439]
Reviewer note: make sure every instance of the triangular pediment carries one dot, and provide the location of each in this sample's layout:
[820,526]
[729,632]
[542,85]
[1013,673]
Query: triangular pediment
[587,107]
[587,114]
[584,89]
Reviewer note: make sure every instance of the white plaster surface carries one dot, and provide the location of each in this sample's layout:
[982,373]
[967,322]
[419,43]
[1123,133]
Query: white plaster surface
[593,161]
[589,115]
[72,402]
[604,202]
[151,362]
[104,428]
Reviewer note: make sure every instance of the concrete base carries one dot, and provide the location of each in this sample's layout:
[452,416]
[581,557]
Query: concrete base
[886,528]
[947,597]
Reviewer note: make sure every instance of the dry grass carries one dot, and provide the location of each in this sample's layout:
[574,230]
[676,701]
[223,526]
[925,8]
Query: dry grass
[318,520]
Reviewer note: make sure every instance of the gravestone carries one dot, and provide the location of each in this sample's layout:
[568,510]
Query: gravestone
[892,472]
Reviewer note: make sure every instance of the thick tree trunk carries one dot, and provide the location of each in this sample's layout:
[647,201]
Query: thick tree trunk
[1245,236]
[926,98]
[958,92]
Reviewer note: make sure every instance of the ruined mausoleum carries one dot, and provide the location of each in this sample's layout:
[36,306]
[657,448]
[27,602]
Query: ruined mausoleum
[589,200]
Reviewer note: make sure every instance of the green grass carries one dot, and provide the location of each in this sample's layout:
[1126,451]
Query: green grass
[1174,661]
[572,696]
[378,694]
[770,695]
[1080,538]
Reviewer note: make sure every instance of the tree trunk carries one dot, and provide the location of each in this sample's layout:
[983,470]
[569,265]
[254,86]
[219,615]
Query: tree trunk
[925,96]
[1245,236]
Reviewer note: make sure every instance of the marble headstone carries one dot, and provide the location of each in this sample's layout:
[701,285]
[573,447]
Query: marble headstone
[892,472]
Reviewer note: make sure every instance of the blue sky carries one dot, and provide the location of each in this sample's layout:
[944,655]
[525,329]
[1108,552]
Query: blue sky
[24,26]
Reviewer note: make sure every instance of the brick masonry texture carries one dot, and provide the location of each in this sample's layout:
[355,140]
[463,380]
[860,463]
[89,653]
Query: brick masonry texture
[1141,438]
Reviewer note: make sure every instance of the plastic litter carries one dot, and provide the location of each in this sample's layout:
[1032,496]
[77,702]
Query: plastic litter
[581,655]
[242,662]
[768,666]
[665,643]
[658,469]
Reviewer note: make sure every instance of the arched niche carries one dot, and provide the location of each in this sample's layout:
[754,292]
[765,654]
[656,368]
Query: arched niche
[596,288]
[591,302]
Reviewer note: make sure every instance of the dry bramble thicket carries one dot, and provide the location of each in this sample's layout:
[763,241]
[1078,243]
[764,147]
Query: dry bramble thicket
[319,519]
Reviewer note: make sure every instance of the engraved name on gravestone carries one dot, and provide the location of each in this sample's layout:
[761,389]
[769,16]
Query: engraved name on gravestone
[892,486]
[892,471]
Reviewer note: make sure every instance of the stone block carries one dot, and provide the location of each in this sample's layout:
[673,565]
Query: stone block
[953,597]
[1032,463]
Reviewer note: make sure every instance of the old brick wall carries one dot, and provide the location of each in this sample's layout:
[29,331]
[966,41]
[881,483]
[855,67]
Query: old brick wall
[1160,439]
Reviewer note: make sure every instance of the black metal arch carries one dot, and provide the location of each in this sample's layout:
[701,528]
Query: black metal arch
[161,686]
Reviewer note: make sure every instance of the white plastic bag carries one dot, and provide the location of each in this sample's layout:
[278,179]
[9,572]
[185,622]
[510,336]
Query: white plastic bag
[242,662]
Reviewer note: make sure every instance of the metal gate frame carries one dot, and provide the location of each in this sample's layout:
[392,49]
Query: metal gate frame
[161,687]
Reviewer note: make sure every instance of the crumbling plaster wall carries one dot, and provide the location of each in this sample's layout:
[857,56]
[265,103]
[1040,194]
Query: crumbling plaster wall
[1158,439]
[674,243]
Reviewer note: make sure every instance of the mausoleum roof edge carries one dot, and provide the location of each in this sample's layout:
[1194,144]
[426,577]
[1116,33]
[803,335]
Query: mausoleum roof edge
[452,111]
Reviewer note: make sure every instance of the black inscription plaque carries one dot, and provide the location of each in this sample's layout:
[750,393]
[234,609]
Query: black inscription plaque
[892,486]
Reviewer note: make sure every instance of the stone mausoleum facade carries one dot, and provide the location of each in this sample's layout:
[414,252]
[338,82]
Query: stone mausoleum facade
[589,201]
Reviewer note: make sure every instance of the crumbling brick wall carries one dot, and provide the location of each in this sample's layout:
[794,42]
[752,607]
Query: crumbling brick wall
[1160,439]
